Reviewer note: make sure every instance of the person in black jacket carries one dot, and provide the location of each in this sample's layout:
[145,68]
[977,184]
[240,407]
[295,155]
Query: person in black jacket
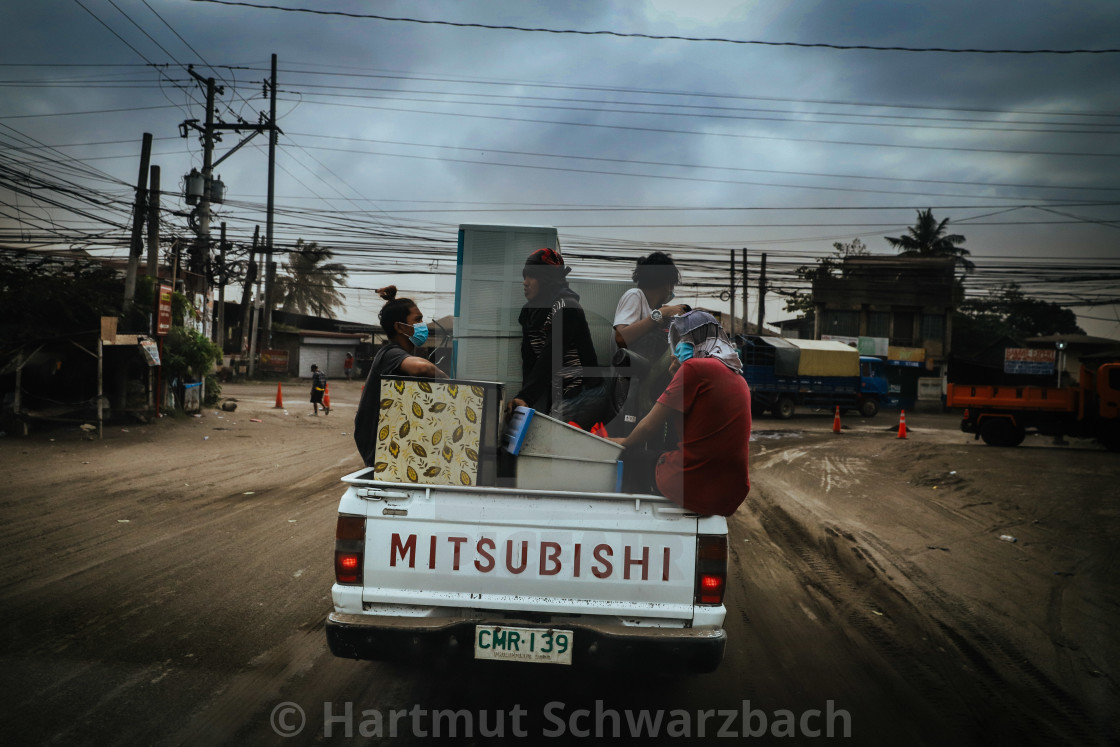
[556,347]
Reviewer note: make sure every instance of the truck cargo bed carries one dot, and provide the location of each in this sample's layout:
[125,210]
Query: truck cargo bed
[1012,397]
[516,549]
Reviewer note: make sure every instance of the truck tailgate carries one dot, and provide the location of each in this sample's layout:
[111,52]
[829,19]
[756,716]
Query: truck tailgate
[524,550]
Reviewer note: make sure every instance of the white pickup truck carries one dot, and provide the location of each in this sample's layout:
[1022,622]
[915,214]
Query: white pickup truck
[533,576]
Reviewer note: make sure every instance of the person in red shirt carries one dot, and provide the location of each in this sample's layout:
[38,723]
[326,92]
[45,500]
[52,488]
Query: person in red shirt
[708,404]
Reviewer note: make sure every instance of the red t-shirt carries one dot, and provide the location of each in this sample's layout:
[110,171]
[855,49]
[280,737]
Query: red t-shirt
[707,473]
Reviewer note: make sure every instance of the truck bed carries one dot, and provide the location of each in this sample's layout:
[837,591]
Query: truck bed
[528,550]
[763,379]
[1042,399]
[532,576]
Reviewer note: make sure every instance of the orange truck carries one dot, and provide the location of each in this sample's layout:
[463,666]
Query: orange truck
[1001,414]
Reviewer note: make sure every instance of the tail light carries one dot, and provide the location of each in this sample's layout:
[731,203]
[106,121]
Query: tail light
[711,568]
[349,549]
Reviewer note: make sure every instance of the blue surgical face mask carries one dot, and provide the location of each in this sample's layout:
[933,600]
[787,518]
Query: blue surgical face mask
[683,351]
[672,295]
[419,334]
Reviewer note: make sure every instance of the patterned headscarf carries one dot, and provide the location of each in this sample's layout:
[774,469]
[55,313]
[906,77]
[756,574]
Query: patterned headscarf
[707,337]
[546,264]
[545,256]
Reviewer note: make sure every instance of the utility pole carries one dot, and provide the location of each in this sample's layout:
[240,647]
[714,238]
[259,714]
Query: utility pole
[254,332]
[152,269]
[207,163]
[220,333]
[247,295]
[136,245]
[211,133]
[745,315]
[762,294]
[270,265]
[731,305]
[175,260]
[200,256]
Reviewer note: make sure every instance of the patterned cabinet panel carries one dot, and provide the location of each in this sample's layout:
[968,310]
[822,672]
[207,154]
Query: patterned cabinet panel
[442,432]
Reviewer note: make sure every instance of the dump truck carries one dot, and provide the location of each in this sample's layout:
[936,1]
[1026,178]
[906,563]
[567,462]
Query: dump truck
[784,373]
[1002,415]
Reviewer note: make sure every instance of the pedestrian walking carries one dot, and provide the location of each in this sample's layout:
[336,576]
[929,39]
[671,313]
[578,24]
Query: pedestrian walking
[318,389]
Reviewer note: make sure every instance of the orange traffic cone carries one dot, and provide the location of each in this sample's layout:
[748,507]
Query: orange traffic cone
[902,424]
[279,398]
[327,398]
[836,420]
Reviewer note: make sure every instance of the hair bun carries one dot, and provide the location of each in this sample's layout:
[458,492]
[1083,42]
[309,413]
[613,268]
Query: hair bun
[388,293]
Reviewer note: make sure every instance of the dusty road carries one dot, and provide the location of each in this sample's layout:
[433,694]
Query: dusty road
[169,585]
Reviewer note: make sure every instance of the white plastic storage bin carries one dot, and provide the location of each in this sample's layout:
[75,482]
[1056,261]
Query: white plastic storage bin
[534,433]
[553,472]
[552,455]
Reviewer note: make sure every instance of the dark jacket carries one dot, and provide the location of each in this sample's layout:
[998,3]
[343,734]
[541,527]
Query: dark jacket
[387,362]
[555,348]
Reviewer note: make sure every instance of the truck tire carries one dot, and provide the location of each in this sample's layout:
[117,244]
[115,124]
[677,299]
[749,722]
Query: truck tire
[784,408]
[1001,432]
[868,407]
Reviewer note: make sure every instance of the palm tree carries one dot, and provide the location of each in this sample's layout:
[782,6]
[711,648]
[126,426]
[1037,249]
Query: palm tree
[928,238]
[311,282]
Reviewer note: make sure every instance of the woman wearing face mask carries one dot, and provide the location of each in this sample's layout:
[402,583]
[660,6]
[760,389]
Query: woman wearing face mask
[556,347]
[708,404]
[404,325]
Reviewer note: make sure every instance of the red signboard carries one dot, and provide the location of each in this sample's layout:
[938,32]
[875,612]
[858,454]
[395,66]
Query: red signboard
[163,318]
[1029,360]
[1029,355]
[274,361]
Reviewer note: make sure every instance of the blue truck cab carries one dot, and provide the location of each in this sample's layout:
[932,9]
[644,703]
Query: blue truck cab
[873,385]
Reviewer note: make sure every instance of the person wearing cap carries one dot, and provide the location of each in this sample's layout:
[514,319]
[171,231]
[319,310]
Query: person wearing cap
[556,346]
[708,404]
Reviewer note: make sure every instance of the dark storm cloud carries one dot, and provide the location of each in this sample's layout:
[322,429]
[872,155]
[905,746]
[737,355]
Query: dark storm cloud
[790,146]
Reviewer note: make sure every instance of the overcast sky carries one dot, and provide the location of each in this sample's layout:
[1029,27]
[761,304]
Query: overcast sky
[397,131]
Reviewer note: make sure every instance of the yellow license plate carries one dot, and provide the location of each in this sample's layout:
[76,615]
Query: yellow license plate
[533,645]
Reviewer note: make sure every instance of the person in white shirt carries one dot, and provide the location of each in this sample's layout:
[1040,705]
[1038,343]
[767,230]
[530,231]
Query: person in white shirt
[642,317]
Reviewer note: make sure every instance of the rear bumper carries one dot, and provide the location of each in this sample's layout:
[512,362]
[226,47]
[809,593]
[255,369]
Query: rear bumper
[694,650]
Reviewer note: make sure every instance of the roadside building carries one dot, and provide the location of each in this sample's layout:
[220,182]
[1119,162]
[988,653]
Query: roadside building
[897,308]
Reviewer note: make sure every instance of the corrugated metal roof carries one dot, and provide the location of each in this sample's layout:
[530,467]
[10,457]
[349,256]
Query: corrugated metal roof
[819,344]
[334,335]
[1076,340]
